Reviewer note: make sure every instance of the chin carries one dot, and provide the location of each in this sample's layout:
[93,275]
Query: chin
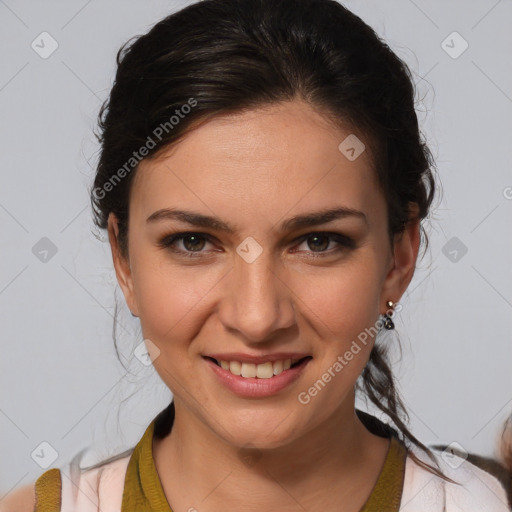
[261,431]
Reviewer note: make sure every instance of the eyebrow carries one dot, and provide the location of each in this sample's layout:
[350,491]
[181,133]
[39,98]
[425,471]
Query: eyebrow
[299,221]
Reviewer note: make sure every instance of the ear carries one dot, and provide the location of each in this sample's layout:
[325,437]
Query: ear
[121,264]
[405,253]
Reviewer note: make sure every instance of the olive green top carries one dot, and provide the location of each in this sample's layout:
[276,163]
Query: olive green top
[143,490]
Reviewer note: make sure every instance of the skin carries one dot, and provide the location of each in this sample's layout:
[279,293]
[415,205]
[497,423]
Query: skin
[254,170]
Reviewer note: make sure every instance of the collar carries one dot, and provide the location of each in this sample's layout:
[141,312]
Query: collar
[143,490]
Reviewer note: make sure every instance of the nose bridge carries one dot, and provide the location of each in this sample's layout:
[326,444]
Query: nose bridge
[258,303]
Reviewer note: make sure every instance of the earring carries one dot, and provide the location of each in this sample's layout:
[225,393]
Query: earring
[388,323]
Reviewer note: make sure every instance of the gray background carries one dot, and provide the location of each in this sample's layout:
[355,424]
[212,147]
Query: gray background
[60,379]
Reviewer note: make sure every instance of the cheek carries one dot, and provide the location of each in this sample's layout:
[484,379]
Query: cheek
[343,301]
[343,309]
[168,309]
[170,298]
[167,305]
[340,301]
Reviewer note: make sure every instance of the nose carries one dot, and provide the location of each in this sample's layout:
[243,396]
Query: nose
[257,301]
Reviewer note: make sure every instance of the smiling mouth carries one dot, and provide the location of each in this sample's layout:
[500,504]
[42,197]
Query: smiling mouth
[261,371]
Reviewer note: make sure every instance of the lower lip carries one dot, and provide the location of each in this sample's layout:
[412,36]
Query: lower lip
[257,388]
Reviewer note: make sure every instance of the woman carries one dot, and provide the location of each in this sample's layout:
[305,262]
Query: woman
[263,180]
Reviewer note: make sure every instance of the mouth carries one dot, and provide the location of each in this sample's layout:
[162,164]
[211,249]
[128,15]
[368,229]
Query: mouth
[265,370]
[257,381]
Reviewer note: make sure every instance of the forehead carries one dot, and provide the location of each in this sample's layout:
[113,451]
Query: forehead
[273,158]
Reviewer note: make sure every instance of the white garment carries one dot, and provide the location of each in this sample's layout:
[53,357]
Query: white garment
[102,488]
[424,492]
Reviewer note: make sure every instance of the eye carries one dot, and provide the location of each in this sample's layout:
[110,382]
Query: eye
[320,242]
[191,242]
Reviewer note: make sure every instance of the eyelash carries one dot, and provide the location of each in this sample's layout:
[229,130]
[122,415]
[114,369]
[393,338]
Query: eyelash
[344,242]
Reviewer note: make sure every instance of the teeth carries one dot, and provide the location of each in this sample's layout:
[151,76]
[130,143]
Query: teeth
[262,371]
[278,367]
[248,370]
[235,367]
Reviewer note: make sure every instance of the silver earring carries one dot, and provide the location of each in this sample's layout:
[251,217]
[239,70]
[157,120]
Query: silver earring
[388,323]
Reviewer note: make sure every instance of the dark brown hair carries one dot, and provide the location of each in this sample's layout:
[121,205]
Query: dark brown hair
[226,56]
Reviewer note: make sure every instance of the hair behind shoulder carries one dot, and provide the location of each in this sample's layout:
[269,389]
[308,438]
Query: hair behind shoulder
[75,461]
[500,467]
[506,457]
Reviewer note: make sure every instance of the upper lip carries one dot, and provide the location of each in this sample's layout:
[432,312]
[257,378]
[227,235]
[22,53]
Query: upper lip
[247,358]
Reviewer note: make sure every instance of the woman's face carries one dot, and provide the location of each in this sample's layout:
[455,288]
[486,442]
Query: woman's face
[268,287]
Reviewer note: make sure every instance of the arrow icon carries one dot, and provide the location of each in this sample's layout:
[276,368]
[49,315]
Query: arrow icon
[44,454]
[351,147]
[44,250]
[249,249]
[454,45]
[44,45]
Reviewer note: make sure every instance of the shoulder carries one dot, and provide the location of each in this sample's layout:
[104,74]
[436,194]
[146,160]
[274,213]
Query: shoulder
[102,485]
[43,495]
[22,499]
[474,490]
[72,488]
[478,490]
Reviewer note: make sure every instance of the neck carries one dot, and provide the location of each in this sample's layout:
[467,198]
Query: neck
[199,469]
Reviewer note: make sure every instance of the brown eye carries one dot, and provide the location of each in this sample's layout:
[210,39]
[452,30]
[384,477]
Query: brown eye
[193,242]
[320,242]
